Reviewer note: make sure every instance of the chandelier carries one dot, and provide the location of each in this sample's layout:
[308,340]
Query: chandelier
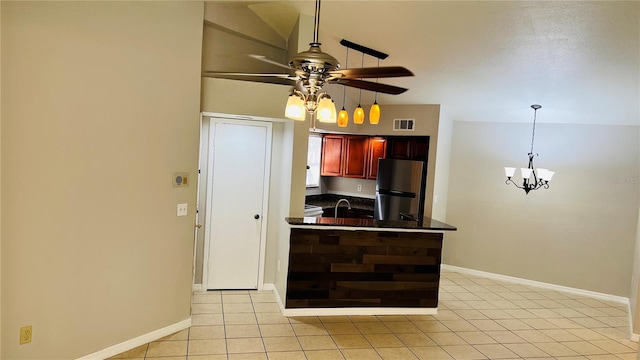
[532,178]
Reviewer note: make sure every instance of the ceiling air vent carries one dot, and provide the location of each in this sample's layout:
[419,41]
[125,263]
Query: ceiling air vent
[403,124]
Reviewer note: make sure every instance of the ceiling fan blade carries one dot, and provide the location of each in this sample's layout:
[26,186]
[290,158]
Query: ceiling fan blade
[372,72]
[371,86]
[282,79]
[269,61]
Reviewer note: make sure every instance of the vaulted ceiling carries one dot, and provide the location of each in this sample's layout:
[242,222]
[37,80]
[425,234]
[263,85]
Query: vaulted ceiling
[490,60]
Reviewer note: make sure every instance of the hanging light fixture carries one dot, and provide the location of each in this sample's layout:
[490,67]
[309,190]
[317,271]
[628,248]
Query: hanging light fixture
[532,178]
[358,113]
[343,115]
[374,113]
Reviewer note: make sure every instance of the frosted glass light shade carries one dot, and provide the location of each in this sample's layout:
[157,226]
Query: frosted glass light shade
[509,171]
[543,174]
[526,173]
[326,111]
[295,108]
[374,114]
[549,175]
[358,115]
[343,118]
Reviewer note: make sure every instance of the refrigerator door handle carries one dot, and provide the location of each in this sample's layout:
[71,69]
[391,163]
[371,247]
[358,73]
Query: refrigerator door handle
[397,193]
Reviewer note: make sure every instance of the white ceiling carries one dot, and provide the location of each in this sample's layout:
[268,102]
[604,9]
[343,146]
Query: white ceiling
[489,61]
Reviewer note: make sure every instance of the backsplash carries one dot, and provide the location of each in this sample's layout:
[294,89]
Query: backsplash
[349,186]
[330,200]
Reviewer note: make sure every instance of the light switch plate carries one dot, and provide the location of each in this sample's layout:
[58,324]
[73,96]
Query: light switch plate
[182,210]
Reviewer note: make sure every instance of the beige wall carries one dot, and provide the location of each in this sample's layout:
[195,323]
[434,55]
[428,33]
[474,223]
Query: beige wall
[101,103]
[635,282]
[0,183]
[579,233]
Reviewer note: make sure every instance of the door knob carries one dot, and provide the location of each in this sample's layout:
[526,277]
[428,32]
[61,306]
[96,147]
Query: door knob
[256,216]
[199,226]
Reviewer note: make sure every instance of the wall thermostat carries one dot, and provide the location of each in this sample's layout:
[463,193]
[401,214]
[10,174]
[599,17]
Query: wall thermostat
[180,179]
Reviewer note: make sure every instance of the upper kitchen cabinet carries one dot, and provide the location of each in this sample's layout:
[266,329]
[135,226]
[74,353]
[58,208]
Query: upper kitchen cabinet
[355,157]
[409,148]
[333,147]
[377,150]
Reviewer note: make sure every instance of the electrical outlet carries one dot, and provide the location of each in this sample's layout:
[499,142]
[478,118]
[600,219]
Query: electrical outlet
[359,187]
[25,334]
[278,265]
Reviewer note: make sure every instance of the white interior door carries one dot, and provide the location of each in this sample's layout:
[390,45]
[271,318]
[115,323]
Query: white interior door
[238,173]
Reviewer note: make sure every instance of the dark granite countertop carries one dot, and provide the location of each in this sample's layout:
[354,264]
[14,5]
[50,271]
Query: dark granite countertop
[427,224]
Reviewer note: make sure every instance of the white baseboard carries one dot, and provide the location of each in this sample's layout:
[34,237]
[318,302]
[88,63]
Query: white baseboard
[565,289]
[353,311]
[268,287]
[197,287]
[137,341]
[278,299]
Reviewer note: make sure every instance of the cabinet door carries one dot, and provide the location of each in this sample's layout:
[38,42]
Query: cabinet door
[377,150]
[420,149]
[399,148]
[332,152]
[355,159]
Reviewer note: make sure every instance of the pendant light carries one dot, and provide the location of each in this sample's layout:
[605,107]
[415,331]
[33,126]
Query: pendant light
[358,113]
[374,113]
[343,115]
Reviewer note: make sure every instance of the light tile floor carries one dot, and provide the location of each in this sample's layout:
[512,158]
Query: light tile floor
[478,318]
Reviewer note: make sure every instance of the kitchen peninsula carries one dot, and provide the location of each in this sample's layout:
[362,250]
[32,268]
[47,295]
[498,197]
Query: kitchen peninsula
[355,266]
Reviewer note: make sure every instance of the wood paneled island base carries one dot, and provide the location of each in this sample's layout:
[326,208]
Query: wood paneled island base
[386,271]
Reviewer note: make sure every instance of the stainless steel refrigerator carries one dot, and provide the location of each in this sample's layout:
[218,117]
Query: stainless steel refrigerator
[400,190]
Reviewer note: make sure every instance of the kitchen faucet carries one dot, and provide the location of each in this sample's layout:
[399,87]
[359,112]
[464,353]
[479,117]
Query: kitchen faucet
[335,212]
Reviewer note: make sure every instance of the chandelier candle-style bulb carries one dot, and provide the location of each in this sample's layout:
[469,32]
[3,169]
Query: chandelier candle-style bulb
[532,178]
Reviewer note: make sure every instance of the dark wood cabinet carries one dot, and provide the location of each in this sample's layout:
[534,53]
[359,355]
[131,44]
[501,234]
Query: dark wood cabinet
[333,147]
[408,148]
[355,156]
[377,150]
[398,148]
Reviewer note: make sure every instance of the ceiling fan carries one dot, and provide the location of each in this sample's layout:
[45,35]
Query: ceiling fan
[310,70]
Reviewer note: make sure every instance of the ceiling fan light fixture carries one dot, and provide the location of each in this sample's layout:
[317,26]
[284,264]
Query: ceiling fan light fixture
[358,115]
[374,114]
[295,108]
[343,118]
[326,111]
